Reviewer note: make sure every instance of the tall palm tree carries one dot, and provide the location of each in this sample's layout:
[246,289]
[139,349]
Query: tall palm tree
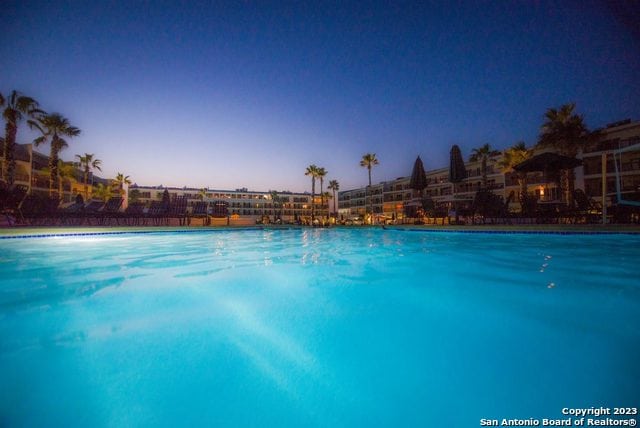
[368,161]
[513,156]
[322,173]
[53,127]
[87,163]
[15,107]
[312,171]
[565,131]
[334,186]
[483,154]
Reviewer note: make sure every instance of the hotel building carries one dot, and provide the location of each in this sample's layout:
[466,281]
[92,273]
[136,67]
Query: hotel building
[289,206]
[388,198]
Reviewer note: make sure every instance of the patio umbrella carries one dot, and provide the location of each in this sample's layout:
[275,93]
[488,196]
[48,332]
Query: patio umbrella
[418,177]
[547,162]
[457,172]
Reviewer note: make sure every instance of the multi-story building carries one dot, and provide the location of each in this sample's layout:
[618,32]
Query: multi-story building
[32,171]
[623,139]
[289,206]
[388,198]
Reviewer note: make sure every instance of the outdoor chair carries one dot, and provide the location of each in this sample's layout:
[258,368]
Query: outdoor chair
[178,210]
[72,214]
[201,210]
[92,211]
[12,204]
[111,210]
[134,214]
[157,213]
[587,210]
[31,208]
[50,213]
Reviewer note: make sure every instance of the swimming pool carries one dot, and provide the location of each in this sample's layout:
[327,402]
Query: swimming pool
[307,327]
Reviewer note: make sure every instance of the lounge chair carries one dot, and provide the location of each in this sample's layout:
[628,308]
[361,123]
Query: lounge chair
[587,210]
[134,213]
[157,213]
[111,210]
[12,202]
[200,210]
[178,210]
[92,211]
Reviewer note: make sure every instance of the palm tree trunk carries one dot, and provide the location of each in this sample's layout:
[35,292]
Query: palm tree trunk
[322,193]
[522,181]
[86,184]
[571,183]
[313,199]
[370,195]
[9,152]
[53,175]
[334,204]
[484,173]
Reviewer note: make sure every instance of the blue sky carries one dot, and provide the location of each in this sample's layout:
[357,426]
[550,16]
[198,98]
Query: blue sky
[248,94]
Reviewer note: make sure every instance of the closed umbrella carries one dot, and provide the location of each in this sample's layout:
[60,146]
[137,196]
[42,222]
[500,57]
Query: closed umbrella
[457,172]
[418,177]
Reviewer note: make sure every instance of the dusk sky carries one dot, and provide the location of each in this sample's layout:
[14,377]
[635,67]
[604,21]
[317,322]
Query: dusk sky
[248,94]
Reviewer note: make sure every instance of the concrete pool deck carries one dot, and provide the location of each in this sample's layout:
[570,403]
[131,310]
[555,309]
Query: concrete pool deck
[10,232]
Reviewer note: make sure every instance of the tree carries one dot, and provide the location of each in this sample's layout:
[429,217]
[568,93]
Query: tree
[134,195]
[120,181]
[66,171]
[202,193]
[53,127]
[513,156]
[327,197]
[368,161]
[16,106]
[87,163]
[322,173]
[312,171]
[275,200]
[102,192]
[566,132]
[334,186]
[483,154]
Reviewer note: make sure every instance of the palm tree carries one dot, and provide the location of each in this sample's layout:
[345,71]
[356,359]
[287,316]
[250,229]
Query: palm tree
[120,182]
[483,153]
[87,163]
[368,161]
[66,171]
[102,192]
[334,186]
[312,170]
[53,127]
[202,193]
[275,200]
[16,106]
[566,132]
[134,195]
[327,197]
[322,173]
[513,156]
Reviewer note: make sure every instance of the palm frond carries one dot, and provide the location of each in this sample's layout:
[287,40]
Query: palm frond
[40,140]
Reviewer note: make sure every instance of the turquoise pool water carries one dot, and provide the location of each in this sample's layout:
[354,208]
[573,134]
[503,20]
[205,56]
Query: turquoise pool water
[315,328]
